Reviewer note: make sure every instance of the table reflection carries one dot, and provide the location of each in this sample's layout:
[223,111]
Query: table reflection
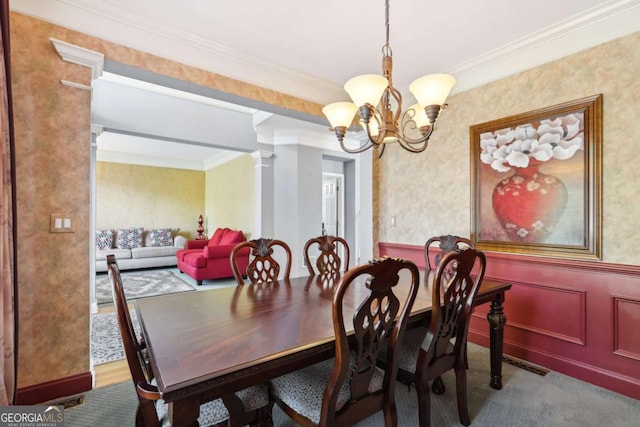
[325,284]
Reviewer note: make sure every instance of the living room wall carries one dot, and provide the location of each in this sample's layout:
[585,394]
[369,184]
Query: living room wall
[150,197]
[230,196]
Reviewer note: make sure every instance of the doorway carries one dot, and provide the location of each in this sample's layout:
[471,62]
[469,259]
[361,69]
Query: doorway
[333,206]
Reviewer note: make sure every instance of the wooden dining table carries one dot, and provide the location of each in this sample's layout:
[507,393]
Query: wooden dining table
[207,344]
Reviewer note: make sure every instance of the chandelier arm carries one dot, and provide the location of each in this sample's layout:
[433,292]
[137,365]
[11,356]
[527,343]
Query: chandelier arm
[408,121]
[360,149]
[367,112]
[409,146]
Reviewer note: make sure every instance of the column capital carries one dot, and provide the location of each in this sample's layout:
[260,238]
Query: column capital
[96,129]
[262,154]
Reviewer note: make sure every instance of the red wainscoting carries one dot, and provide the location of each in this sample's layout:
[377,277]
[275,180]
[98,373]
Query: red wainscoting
[579,318]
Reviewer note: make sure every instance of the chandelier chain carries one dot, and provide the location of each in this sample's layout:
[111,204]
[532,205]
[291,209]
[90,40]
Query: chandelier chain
[386,49]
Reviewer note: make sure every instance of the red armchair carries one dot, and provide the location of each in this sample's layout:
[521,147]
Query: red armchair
[209,258]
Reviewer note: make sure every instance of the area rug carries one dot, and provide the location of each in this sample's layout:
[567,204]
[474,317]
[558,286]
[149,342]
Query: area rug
[140,284]
[106,343]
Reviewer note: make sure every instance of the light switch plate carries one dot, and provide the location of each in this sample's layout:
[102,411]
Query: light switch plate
[61,223]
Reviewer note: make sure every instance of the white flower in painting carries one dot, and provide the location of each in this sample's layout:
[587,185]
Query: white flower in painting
[537,226]
[558,138]
[532,185]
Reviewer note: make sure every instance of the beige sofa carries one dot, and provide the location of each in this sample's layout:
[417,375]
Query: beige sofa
[148,255]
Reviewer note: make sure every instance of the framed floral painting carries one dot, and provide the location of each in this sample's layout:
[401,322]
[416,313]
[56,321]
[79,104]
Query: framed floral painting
[536,181]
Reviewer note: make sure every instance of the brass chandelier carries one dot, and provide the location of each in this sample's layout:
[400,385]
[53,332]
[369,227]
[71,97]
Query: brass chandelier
[380,107]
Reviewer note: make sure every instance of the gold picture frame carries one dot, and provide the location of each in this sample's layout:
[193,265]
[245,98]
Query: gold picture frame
[537,181]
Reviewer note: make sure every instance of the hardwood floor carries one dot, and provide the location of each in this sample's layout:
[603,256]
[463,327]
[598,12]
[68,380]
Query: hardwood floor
[112,372]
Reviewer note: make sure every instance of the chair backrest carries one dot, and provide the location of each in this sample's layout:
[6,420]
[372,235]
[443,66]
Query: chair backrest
[379,320]
[262,268]
[140,371]
[453,294]
[447,243]
[328,262]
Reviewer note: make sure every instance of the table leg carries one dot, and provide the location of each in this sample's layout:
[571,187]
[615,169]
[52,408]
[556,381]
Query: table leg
[497,320]
[184,412]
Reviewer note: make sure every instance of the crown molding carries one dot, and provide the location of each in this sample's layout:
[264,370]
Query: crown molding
[598,25]
[595,26]
[81,56]
[120,26]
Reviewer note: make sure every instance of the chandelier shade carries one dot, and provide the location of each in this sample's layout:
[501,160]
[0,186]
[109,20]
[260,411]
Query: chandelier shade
[366,89]
[419,117]
[340,113]
[432,89]
[379,106]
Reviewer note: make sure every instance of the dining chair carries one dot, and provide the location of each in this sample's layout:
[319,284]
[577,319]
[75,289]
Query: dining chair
[328,261]
[262,266]
[350,387]
[445,344]
[250,406]
[446,243]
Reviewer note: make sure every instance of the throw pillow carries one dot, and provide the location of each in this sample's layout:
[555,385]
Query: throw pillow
[104,239]
[129,238]
[232,236]
[161,237]
[217,236]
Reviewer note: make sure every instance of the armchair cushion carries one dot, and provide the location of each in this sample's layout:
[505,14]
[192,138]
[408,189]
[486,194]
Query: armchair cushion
[195,260]
[232,237]
[217,236]
[196,244]
[222,251]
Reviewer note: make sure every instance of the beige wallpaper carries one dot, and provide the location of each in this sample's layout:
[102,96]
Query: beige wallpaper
[52,144]
[148,197]
[429,193]
[230,199]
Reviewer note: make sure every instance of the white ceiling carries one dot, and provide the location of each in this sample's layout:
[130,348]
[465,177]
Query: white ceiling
[309,49]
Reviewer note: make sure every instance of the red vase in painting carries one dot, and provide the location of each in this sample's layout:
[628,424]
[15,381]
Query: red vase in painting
[529,204]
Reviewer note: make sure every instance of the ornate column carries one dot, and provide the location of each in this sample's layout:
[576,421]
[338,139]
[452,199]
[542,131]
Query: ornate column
[96,130]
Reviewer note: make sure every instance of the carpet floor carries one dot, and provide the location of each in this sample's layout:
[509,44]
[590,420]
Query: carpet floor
[527,399]
[141,284]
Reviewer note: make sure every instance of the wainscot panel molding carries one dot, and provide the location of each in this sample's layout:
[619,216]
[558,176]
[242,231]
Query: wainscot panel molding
[575,317]
[53,390]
